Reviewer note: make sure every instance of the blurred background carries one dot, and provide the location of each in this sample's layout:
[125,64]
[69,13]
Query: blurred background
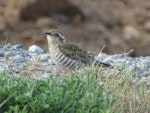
[119,25]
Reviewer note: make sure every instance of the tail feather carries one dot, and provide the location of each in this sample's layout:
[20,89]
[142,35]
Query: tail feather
[101,64]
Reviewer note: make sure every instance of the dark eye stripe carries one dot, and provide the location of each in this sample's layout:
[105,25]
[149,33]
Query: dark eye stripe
[56,35]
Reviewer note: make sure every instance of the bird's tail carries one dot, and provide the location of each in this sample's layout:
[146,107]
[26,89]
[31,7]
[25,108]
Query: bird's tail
[101,64]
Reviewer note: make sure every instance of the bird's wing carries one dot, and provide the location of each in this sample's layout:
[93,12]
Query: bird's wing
[75,52]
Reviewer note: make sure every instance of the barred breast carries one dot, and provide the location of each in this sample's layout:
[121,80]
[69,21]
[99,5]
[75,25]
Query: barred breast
[65,62]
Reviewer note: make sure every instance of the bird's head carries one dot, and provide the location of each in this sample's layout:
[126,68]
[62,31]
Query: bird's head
[54,38]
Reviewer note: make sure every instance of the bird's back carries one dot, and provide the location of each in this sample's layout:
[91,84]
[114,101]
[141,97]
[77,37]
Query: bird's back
[74,52]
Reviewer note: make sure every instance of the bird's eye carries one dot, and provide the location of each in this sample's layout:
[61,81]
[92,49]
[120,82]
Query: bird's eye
[57,35]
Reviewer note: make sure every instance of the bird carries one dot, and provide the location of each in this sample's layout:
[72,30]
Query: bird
[69,56]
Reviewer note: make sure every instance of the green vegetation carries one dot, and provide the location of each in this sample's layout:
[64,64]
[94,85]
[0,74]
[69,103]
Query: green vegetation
[89,90]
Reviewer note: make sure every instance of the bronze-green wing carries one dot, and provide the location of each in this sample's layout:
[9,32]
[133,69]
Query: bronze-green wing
[75,52]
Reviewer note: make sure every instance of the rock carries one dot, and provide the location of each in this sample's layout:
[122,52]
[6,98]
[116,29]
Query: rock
[2,24]
[45,22]
[22,21]
[44,57]
[147,26]
[35,9]
[130,33]
[11,13]
[35,49]
[1,46]
[18,58]
[18,46]
[20,63]
[1,53]
[8,46]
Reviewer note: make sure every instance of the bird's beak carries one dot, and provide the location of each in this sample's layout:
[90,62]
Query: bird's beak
[47,33]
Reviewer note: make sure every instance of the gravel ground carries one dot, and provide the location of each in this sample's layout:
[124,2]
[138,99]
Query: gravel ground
[35,63]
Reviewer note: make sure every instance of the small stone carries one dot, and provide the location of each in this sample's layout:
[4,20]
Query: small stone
[8,46]
[24,73]
[101,57]
[24,53]
[18,46]
[1,46]
[1,53]
[50,61]
[35,49]
[19,58]
[44,57]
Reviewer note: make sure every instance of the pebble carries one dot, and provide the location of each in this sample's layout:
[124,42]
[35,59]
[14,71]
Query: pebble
[7,46]
[18,46]
[140,65]
[1,46]
[45,57]
[130,33]
[1,53]
[35,62]
[35,49]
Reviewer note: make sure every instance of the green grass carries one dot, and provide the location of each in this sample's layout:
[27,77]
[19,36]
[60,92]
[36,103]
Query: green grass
[75,94]
[88,90]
